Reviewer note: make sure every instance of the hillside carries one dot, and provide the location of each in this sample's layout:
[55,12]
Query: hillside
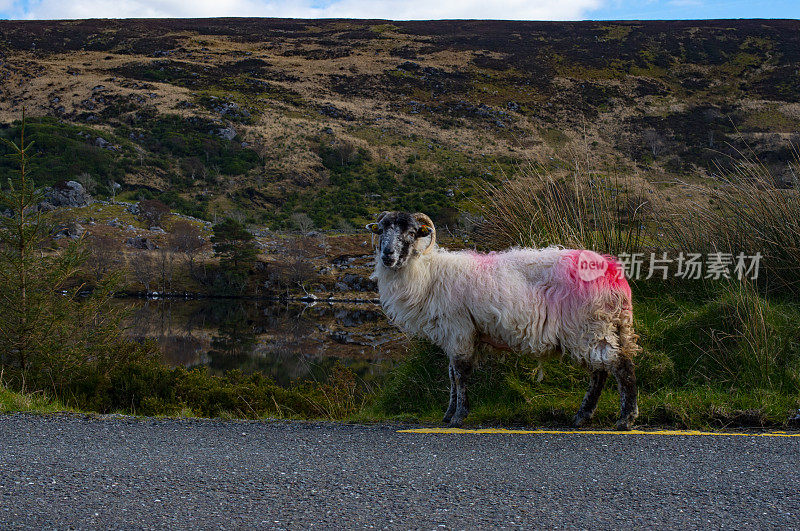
[341,119]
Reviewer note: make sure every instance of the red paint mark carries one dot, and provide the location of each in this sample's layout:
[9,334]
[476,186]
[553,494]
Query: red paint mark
[610,274]
[484,260]
[615,275]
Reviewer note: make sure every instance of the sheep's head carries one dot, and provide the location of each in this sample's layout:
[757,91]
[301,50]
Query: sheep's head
[402,237]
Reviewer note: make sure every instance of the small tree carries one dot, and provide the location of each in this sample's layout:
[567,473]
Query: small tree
[653,141]
[47,335]
[299,266]
[113,186]
[186,238]
[165,265]
[144,268]
[234,245]
[153,212]
[104,255]
[302,222]
[88,182]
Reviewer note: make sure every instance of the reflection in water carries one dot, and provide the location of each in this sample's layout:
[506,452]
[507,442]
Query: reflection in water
[288,341]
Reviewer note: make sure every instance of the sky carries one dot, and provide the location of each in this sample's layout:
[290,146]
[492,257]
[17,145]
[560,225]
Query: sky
[405,10]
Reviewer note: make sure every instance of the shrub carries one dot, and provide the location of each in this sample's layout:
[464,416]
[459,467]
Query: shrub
[190,139]
[64,152]
[142,385]
[195,207]
[88,182]
[342,156]
[153,212]
[302,222]
[51,338]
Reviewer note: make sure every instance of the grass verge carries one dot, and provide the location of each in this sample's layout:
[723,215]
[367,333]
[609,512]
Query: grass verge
[13,402]
[714,358]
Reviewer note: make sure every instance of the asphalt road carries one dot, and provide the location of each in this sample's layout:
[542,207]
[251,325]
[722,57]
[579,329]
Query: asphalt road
[72,471]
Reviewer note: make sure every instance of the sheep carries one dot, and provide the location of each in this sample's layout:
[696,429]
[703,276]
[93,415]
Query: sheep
[532,301]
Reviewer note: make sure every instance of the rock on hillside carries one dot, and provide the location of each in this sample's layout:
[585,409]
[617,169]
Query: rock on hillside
[66,194]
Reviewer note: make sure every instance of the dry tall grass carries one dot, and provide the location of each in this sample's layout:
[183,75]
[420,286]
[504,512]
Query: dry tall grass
[585,209]
[745,211]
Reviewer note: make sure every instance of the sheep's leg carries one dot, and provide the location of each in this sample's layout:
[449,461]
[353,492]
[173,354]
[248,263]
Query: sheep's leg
[461,371]
[451,407]
[589,404]
[626,382]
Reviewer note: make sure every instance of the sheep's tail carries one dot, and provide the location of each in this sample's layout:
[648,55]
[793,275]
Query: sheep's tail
[618,284]
[602,277]
[628,338]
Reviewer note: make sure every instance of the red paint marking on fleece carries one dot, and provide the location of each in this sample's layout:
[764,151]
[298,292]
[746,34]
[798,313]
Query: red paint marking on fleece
[483,261]
[612,279]
[615,276]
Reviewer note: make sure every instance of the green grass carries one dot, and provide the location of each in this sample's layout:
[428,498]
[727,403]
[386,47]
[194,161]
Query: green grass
[13,402]
[770,119]
[64,151]
[143,386]
[714,357]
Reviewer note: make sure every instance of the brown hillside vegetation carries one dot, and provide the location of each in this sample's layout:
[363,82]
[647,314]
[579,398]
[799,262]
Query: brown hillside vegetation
[340,119]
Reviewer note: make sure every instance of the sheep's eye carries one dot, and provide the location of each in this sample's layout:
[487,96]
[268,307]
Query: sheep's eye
[374,228]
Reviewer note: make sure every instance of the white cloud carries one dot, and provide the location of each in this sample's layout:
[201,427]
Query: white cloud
[385,9]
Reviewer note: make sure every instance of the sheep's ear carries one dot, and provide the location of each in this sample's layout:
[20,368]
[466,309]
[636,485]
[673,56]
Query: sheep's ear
[426,224]
[374,228]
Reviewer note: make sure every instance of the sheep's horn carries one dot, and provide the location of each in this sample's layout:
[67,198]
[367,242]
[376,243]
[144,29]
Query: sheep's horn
[425,220]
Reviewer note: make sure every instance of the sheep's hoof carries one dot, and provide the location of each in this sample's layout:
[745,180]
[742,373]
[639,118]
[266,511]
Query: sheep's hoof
[580,420]
[456,422]
[623,425]
[446,419]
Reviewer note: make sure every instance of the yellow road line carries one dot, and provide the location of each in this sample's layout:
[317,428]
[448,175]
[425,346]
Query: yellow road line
[501,431]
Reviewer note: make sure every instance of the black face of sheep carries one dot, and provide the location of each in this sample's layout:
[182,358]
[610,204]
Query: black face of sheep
[402,236]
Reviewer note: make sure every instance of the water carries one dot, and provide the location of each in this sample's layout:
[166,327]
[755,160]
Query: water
[288,341]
